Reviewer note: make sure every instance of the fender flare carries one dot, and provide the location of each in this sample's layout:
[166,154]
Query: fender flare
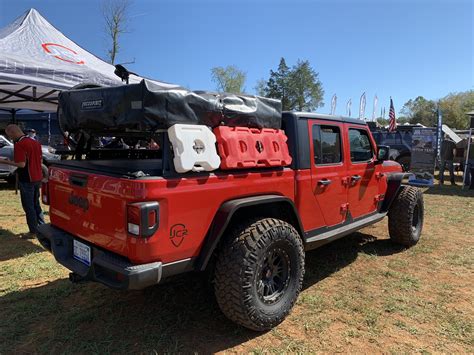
[224,215]
[394,182]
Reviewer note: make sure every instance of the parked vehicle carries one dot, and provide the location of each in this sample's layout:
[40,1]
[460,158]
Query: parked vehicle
[399,141]
[127,219]
[6,150]
[7,172]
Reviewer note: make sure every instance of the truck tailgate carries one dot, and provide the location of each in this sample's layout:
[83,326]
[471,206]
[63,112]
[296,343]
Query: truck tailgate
[92,207]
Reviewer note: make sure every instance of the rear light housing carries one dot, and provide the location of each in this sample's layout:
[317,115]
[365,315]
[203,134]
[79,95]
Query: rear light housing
[45,193]
[143,218]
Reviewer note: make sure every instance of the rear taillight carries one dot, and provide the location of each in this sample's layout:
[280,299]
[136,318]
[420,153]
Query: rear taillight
[143,218]
[133,219]
[45,193]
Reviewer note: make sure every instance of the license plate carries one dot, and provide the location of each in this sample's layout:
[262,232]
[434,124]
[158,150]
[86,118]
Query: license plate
[81,252]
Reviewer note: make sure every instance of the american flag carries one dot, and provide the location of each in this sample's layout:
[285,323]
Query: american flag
[392,123]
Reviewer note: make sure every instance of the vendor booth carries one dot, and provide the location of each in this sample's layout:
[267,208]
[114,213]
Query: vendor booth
[37,61]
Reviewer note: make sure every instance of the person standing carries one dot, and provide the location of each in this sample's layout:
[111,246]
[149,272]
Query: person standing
[448,151]
[27,158]
[32,134]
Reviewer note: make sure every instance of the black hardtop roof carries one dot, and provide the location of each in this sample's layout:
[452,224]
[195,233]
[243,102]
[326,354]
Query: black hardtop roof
[322,116]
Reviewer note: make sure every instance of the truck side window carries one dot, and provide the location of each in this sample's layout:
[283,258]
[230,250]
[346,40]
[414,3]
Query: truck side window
[361,149]
[393,138]
[326,144]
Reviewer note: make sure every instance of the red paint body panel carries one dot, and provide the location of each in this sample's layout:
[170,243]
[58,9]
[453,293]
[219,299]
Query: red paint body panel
[189,201]
[361,194]
[243,148]
[310,210]
[97,211]
[333,196]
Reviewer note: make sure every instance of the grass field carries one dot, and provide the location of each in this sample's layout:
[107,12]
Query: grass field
[361,294]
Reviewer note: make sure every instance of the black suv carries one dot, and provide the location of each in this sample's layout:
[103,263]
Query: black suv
[400,142]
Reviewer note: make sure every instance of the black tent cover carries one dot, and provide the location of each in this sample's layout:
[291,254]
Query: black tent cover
[147,107]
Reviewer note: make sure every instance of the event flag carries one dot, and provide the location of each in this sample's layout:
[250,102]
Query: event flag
[333,104]
[348,107]
[439,131]
[362,107]
[376,100]
[392,123]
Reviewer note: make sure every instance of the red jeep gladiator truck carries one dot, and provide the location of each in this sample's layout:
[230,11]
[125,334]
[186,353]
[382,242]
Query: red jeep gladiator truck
[126,219]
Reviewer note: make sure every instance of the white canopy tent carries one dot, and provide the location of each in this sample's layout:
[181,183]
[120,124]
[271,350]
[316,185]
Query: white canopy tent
[37,61]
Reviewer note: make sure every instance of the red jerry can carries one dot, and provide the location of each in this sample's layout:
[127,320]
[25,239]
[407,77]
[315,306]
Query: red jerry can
[243,147]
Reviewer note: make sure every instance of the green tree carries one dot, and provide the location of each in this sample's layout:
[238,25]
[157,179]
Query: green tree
[385,121]
[382,121]
[298,88]
[306,91]
[116,18]
[421,110]
[229,79]
[277,86]
[454,107]
[260,87]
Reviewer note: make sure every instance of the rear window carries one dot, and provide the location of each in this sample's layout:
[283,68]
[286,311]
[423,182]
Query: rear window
[326,144]
[393,138]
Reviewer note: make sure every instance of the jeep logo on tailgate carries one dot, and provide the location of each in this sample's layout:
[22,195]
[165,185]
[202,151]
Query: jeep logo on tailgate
[78,201]
[91,104]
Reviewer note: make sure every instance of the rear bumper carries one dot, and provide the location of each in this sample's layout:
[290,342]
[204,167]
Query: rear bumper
[107,268]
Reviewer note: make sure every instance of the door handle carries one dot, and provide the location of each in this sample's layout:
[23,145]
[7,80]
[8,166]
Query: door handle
[356,178]
[324,182]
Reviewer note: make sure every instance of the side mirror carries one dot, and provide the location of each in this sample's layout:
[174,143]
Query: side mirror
[383,151]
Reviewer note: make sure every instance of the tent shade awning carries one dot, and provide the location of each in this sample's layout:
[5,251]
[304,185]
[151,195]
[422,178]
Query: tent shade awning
[20,96]
[37,61]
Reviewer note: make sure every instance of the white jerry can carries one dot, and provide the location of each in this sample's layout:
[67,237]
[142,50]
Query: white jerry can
[194,148]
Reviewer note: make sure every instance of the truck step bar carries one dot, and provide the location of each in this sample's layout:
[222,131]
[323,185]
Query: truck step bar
[319,237]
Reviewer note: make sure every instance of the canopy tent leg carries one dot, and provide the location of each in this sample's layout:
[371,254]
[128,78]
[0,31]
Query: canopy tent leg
[469,140]
[13,119]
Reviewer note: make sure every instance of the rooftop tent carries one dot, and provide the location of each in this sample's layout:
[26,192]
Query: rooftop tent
[37,61]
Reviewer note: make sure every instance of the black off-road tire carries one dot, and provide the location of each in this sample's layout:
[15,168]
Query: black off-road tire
[405,217]
[240,275]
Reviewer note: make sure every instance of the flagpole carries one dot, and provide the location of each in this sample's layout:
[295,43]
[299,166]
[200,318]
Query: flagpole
[469,141]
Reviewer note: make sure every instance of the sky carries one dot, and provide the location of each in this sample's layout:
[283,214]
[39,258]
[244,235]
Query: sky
[399,49]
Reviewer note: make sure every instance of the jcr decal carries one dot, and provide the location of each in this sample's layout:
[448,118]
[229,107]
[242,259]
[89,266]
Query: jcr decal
[177,234]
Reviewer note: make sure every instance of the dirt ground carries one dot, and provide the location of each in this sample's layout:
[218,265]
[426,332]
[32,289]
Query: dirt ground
[361,294]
